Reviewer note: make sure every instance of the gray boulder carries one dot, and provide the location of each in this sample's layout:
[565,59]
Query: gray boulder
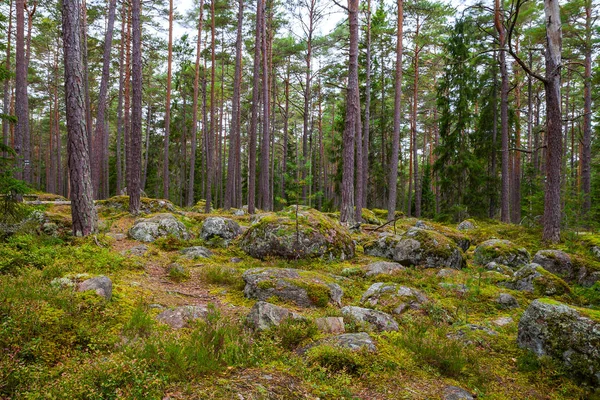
[160,225]
[138,250]
[383,246]
[308,235]
[502,252]
[179,317]
[376,320]
[383,268]
[265,315]
[466,225]
[306,289]
[532,278]
[102,285]
[393,297]
[456,393]
[596,251]
[196,252]
[506,300]
[224,228]
[503,269]
[571,269]
[549,328]
[352,341]
[330,324]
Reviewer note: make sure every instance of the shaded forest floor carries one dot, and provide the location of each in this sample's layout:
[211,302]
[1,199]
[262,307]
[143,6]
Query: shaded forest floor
[59,343]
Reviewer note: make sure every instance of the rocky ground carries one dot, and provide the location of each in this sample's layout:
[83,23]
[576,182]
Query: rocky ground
[179,304]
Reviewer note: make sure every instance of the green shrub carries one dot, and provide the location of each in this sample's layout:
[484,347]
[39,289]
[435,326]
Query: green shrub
[220,275]
[140,324]
[178,273]
[336,359]
[431,346]
[293,332]
[170,243]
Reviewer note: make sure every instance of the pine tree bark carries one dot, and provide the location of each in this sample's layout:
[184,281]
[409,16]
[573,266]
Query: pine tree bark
[393,177]
[100,133]
[6,97]
[135,139]
[168,106]
[347,212]
[367,119]
[264,181]
[194,140]
[233,166]
[210,138]
[586,150]
[21,99]
[414,124]
[120,101]
[254,110]
[86,82]
[83,212]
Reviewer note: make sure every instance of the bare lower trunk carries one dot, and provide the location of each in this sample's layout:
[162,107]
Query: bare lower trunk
[83,212]
[21,99]
[120,101]
[166,176]
[135,139]
[393,177]
[586,150]
[365,133]
[264,186]
[254,111]
[505,193]
[6,97]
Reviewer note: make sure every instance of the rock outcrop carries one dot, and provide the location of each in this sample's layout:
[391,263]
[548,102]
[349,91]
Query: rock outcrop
[160,225]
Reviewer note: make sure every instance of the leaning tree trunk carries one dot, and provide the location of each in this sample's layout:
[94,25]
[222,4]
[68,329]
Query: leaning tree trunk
[347,213]
[85,218]
[100,132]
[393,177]
[135,138]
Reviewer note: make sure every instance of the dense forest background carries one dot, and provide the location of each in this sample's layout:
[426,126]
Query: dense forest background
[453,100]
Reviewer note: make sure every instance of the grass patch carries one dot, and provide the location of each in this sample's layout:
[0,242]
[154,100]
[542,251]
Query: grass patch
[220,275]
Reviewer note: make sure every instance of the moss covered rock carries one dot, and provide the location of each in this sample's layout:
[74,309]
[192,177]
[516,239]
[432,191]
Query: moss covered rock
[220,227]
[429,249]
[502,252]
[570,268]
[303,288]
[119,204]
[383,246]
[533,278]
[393,297]
[549,328]
[309,234]
[160,225]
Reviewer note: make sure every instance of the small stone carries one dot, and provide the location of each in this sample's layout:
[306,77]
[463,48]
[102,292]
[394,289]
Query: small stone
[457,287]
[236,260]
[506,300]
[102,285]
[179,317]
[117,236]
[422,225]
[196,252]
[330,324]
[265,315]
[456,393]
[446,272]
[503,269]
[466,225]
[377,320]
[502,321]
[238,213]
[138,250]
[383,268]
[596,251]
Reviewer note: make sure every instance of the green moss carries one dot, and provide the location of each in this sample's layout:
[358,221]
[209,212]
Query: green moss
[549,283]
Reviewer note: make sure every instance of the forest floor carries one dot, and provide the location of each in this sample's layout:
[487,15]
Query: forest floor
[58,343]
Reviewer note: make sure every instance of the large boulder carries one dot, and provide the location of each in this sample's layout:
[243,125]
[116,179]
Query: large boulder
[502,252]
[101,285]
[550,328]
[160,225]
[534,279]
[179,317]
[466,225]
[383,246]
[220,227]
[383,268]
[310,234]
[428,248]
[393,297]
[302,288]
[376,320]
[572,269]
[265,315]
[456,393]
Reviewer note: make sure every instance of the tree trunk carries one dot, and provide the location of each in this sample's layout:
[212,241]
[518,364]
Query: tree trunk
[254,111]
[6,98]
[213,121]
[190,196]
[393,177]
[135,139]
[98,156]
[515,208]
[147,153]
[120,101]
[127,94]
[505,199]
[586,151]
[85,218]
[367,119]
[347,212]
[493,196]
[86,82]
[168,105]
[264,186]
[414,125]
[21,99]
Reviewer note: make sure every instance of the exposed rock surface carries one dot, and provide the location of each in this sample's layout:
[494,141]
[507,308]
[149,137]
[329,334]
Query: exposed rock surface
[306,289]
[502,252]
[331,324]
[196,252]
[571,269]
[506,300]
[147,205]
[383,268]
[138,250]
[224,228]
[311,235]
[377,320]
[419,247]
[352,341]
[466,225]
[532,278]
[393,297]
[160,225]
[456,393]
[179,317]
[102,285]
[265,315]
[563,333]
